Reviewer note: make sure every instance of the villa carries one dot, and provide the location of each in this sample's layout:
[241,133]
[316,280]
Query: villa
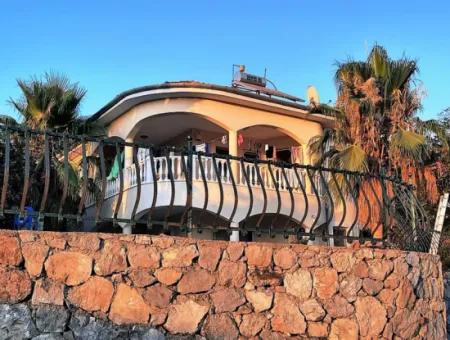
[219,120]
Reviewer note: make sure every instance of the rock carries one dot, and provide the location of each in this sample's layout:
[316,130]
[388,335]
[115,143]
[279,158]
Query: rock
[261,300]
[86,242]
[252,324]
[84,326]
[437,328]
[235,251]
[414,276]
[145,333]
[49,336]
[312,310]
[405,323]
[269,335]
[54,239]
[342,261]
[364,253]
[265,278]
[69,267]
[258,255]
[361,270]
[168,276]
[94,295]
[112,259]
[317,329]
[387,298]
[286,316]
[10,253]
[350,286]
[344,329]
[209,256]
[426,268]
[285,258]
[372,287]
[379,269]
[325,282]
[141,277]
[232,273]
[227,300]
[51,319]
[141,256]
[338,307]
[220,327]
[158,296]
[128,306]
[388,332]
[16,322]
[178,257]
[405,295]
[308,258]
[157,316]
[299,283]
[371,316]
[430,288]
[244,309]
[184,317]
[48,292]
[162,241]
[196,281]
[392,281]
[401,268]
[34,254]
[15,285]
[412,259]
[27,236]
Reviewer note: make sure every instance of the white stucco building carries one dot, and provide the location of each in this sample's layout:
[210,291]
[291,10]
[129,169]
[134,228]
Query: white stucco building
[222,120]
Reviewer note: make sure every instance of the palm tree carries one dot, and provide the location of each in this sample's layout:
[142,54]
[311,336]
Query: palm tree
[376,128]
[51,102]
[377,131]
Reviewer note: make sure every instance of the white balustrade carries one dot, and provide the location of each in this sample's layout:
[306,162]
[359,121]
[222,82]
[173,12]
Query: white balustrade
[212,174]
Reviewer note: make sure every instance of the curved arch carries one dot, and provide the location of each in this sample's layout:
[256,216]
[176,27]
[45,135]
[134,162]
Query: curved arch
[269,217]
[228,116]
[207,219]
[284,131]
[202,115]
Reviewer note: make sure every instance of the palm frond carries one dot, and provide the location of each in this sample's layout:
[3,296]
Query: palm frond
[317,146]
[49,102]
[401,73]
[409,144]
[435,131]
[8,120]
[351,158]
[73,188]
[379,62]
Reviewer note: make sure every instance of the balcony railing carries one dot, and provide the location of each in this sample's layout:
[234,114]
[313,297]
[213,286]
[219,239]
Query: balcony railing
[284,179]
[246,195]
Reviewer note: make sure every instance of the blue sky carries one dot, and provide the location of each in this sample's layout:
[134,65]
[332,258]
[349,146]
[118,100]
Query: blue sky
[111,46]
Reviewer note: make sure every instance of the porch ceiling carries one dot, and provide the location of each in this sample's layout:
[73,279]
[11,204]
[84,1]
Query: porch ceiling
[163,128]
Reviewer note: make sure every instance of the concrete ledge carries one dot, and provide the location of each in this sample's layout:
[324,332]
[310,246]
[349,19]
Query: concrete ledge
[60,285]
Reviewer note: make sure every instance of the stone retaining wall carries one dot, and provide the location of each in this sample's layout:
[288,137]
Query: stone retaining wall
[98,286]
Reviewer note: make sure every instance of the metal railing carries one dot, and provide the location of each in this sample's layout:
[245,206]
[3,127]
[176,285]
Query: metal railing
[56,178]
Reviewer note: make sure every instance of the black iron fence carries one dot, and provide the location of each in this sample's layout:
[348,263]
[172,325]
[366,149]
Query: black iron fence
[54,180]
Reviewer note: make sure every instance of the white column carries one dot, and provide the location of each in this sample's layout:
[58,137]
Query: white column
[233,151]
[128,154]
[235,233]
[126,228]
[232,143]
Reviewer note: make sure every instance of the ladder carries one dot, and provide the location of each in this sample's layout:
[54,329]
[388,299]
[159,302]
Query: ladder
[439,223]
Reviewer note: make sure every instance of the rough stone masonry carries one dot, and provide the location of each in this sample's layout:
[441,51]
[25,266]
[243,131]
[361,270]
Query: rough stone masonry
[106,286]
